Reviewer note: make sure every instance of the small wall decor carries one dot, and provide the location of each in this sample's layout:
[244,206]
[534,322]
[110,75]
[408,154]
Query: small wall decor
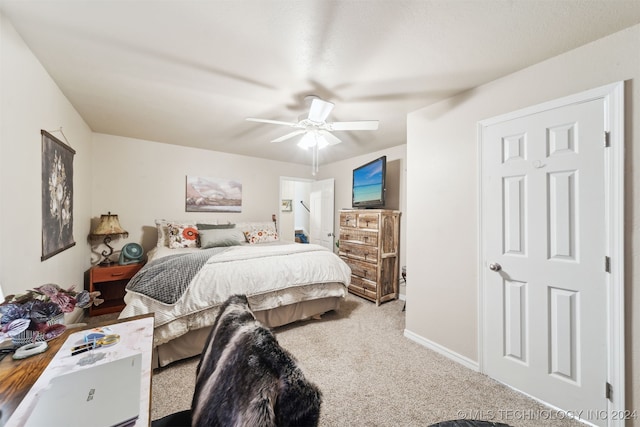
[57,196]
[286,205]
[213,195]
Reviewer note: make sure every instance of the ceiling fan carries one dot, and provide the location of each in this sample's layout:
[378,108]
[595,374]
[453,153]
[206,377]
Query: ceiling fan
[315,127]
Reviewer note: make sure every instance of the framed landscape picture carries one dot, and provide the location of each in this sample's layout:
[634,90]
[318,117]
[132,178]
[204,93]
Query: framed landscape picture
[57,196]
[204,194]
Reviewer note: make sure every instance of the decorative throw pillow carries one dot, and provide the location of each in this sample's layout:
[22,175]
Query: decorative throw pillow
[214,226]
[163,233]
[182,236]
[162,226]
[220,237]
[264,235]
[256,226]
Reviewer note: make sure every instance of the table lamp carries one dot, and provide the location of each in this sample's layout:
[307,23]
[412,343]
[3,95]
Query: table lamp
[108,227]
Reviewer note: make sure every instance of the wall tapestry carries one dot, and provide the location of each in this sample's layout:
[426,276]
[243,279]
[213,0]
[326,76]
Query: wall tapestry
[213,195]
[57,196]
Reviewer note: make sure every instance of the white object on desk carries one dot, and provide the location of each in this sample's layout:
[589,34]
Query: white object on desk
[30,350]
[101,396]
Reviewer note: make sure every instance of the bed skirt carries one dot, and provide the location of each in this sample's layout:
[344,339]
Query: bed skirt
[192,343]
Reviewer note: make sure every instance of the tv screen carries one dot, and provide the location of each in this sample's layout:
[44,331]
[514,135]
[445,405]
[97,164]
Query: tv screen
[369,184]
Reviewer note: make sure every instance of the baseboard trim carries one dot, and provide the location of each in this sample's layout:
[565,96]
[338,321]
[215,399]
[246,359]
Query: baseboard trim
[456,357]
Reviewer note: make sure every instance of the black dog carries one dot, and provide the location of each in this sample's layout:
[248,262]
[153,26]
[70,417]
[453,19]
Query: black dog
[245,378]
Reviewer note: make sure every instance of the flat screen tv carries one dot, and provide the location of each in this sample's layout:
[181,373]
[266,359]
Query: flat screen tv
[368,189]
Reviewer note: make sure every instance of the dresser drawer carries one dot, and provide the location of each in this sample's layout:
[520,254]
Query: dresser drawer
[348,220]
[365,293]
[108,274]
[363,288]
[368,221]
[365,237]
[364,283]
[362,269]
[357,251]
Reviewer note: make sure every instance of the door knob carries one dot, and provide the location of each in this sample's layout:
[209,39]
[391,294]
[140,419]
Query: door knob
[495,267]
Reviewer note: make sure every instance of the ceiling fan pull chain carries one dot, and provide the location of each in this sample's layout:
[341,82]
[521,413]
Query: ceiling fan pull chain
[314,165]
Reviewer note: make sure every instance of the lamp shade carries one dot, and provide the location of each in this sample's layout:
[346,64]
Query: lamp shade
[109,225]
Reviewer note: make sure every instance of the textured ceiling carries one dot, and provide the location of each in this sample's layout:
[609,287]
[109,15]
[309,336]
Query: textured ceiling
[190,72]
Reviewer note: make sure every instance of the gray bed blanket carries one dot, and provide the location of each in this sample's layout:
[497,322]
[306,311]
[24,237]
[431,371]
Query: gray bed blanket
[166,279]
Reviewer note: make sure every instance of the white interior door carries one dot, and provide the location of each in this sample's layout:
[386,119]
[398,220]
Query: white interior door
[321,205]
[544,247]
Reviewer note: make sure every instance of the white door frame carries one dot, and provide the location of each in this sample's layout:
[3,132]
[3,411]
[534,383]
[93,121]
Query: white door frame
[613,96]
[280,195]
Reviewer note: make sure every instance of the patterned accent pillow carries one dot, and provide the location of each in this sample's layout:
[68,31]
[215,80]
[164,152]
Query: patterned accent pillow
[162,226]
[256,226]
[264,235]
[182,236]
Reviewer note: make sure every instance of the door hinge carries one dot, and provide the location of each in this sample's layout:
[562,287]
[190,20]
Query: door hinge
[607,139]
[607,264]
[608,390]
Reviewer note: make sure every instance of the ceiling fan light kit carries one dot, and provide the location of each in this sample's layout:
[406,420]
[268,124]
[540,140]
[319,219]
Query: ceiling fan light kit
[311,139]
[315,130]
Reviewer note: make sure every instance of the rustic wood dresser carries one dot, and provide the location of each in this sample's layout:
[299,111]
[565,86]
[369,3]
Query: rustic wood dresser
[369,245]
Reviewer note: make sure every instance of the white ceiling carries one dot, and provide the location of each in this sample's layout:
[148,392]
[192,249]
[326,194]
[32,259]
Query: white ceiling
[190,72]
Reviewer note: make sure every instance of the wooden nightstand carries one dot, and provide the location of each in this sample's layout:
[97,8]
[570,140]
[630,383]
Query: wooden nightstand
[110,281]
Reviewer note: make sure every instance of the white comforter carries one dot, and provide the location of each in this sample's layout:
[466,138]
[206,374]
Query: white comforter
[270,276]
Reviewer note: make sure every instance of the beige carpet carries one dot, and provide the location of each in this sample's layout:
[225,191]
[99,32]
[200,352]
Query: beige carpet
[371,375]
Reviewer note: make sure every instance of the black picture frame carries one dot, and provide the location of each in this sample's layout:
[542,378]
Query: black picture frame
[57,196]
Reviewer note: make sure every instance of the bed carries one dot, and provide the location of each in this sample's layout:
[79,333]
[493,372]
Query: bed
[195,267]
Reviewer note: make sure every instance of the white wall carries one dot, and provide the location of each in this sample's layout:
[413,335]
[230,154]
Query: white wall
[143,180]
[396,185]
[442,196]
[29,102]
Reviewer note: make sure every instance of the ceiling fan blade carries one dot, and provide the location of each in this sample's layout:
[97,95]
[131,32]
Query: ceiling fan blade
[357,125]
[273,122]
[289,135]
[319,110]
[331,138]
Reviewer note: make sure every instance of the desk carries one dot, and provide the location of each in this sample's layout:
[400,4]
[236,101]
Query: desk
[22,380]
